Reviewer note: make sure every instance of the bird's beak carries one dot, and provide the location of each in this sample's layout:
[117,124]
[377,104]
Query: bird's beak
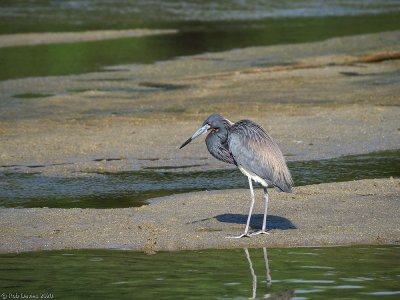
[198,133]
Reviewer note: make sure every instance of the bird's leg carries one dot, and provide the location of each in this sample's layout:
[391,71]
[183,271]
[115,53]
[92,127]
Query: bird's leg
[264,225]
[246,231]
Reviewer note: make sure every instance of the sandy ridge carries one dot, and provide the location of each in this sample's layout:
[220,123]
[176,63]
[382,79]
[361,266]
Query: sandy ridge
[25,39]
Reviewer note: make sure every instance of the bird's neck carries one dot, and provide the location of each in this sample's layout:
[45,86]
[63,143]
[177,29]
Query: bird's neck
[222,135]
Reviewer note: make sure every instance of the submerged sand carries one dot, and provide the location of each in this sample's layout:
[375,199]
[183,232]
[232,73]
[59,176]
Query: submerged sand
[318,100]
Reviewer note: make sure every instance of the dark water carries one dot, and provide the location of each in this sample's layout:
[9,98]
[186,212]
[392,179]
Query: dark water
[203,27]
[127,189]
[72,15]
[298,273]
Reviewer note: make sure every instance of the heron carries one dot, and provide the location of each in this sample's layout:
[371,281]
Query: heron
[248,146]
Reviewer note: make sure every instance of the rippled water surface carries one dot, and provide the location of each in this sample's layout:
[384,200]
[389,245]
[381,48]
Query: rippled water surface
[126,189]
[298,273]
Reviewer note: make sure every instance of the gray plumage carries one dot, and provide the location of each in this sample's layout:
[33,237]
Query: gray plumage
[252,150]
[217,140]
[247,144]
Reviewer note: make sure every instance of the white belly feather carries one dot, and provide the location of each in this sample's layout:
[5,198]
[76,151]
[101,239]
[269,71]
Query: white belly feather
[255,177]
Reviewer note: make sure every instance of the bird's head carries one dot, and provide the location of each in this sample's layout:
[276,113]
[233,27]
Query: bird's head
[214,123]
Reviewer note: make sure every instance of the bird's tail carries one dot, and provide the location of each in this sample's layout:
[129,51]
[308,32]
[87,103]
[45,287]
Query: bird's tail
[285,181]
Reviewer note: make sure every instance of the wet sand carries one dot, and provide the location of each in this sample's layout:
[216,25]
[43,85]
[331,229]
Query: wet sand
[357,212]
[317,100]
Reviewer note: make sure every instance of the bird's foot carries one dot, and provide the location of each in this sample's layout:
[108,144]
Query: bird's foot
[259,232]
[239,236]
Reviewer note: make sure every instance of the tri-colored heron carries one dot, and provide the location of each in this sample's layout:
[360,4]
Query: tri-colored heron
[248,146]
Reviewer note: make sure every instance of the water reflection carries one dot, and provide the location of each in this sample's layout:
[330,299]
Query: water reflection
[322,273]
[253,274]
[289,294]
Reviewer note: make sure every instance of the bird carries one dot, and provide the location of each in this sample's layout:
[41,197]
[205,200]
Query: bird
[248,146]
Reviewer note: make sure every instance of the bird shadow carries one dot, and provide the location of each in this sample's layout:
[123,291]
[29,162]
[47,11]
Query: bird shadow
[273,222]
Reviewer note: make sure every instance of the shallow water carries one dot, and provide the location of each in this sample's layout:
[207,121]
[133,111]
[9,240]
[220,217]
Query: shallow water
[296,273]
[127,189]
[202,28]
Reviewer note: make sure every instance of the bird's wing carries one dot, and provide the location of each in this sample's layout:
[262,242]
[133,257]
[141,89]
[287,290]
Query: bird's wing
[255,151]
